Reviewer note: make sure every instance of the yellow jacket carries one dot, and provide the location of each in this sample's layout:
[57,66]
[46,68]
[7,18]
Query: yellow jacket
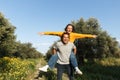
[73,36]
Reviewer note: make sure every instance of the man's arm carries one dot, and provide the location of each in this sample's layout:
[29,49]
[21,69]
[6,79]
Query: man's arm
[54,51]
[74,50]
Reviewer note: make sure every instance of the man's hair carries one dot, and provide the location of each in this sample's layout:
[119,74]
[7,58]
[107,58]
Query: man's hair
[73,28]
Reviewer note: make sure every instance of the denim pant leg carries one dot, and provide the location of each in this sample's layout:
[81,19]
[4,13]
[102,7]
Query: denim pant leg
[70,72]
[60,70]
[73,60]
[53,60]
[64,68]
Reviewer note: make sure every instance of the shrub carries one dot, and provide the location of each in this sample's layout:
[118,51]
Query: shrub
[14,68]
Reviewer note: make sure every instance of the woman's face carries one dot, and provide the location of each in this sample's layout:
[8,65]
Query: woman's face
[69,29]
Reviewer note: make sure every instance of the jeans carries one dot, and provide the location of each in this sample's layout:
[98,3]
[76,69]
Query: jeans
[53,60]
[64,68]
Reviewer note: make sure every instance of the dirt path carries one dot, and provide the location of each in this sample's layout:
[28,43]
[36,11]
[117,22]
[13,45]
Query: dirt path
[50,75]
[36,74]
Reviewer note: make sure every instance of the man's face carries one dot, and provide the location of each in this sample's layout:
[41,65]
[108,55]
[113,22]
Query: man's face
[69,29]
[65,38]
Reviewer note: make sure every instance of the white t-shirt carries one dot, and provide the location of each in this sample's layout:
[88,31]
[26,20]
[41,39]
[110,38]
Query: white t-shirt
[64,51]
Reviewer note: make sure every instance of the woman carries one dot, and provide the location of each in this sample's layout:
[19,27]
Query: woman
[70,30]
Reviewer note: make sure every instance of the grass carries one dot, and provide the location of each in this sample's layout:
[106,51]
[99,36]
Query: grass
[105,69]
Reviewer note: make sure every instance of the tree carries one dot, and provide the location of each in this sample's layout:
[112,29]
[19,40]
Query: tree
[25,50]
[7,37]
[10,47]
[101,47]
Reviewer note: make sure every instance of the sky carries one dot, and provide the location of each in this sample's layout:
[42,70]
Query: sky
[33,16]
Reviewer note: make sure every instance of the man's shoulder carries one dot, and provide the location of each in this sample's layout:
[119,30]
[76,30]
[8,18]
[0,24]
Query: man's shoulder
[59,42]
[71,44]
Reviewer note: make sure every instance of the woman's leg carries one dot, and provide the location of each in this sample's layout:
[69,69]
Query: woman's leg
[53,60]
[74,63]
[73,60]
[51,63]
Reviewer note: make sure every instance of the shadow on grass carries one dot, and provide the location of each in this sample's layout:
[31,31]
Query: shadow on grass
[50,75]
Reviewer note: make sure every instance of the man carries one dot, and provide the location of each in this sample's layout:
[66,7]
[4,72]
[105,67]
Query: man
[64,48]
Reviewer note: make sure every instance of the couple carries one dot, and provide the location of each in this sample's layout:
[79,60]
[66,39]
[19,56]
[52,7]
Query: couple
[72,36]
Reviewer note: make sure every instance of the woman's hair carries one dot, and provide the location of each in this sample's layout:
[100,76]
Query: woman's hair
[73,28]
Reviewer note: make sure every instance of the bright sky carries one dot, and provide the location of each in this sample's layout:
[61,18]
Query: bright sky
[33,16]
